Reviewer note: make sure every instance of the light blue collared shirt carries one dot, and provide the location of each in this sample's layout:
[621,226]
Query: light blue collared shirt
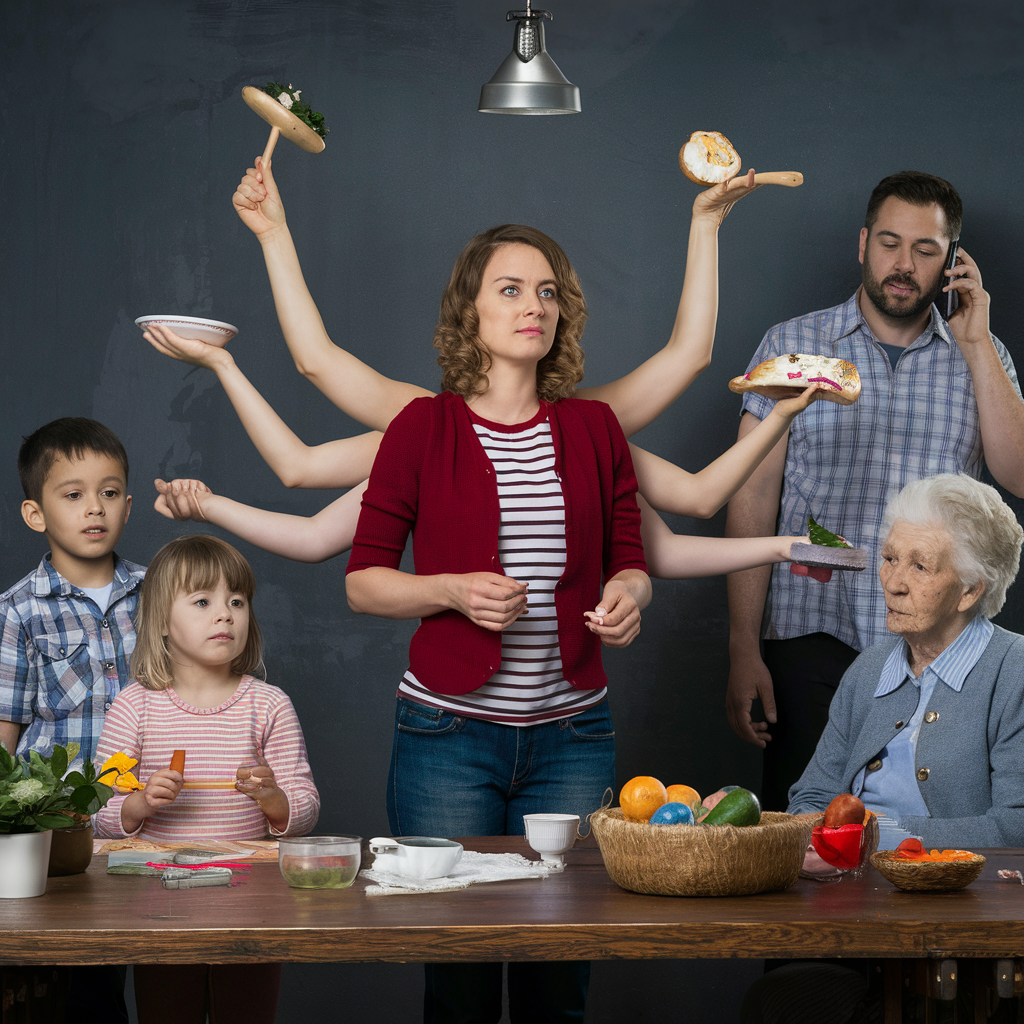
[893,789]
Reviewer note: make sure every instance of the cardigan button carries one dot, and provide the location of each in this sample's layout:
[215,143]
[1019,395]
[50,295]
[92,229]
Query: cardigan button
[931,716]
[899,724]
[873,766]
[922,774]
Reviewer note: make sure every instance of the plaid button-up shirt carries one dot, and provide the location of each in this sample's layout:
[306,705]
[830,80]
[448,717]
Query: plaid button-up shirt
[62,660]
[844,463]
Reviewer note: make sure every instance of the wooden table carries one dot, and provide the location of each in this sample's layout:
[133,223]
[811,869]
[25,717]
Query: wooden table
[579,914]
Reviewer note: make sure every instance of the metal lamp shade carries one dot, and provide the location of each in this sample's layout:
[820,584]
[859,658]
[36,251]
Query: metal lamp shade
[533,86]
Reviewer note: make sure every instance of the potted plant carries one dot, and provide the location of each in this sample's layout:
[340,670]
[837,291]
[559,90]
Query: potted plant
[37,795]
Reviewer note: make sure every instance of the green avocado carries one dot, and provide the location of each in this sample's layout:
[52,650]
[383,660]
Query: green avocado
[740,807]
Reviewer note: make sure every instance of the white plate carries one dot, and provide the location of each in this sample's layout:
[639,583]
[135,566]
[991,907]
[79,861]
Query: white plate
[196,328]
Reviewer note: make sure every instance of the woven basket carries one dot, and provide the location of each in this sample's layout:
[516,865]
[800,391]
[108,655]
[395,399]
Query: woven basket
[702,860]
[927,876]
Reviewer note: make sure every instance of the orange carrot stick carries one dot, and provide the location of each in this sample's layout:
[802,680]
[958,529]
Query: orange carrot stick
[178,762]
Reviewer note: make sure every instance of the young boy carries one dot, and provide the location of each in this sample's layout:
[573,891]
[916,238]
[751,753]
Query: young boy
[67,631]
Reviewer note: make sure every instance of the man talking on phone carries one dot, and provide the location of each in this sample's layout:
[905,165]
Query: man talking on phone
[937,397]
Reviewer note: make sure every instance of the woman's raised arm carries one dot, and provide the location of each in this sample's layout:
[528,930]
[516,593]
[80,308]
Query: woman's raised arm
[300,538]
[342,463]
[672,489]
[641,396]
[355,388]
[677,556]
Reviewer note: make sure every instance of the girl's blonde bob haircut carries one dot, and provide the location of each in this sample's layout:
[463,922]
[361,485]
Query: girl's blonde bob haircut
[463,361]
[185,565]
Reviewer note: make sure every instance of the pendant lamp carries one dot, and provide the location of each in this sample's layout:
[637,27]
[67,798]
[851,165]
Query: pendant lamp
[528,81]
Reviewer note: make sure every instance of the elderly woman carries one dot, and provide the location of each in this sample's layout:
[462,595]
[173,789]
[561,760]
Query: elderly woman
[928,729]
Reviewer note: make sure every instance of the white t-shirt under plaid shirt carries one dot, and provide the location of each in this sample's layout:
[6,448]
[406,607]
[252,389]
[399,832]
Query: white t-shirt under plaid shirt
[528,687]
[844,463]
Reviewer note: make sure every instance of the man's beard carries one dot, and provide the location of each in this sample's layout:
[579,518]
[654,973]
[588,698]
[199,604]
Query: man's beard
[897,309]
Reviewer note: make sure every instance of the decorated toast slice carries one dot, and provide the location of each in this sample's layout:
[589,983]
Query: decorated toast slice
[787,375]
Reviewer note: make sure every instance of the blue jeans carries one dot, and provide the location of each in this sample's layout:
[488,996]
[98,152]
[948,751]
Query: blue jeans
[457,776]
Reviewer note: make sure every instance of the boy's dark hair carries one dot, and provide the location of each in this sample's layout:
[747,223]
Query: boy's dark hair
[70,437]
[918,189]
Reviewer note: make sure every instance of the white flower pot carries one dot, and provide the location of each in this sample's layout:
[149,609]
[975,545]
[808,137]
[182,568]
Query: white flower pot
[24,859]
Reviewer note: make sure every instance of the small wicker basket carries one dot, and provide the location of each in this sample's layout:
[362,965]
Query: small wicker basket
[702,860]
[927,876]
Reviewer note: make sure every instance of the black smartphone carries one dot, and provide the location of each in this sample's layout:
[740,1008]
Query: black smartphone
[948,302]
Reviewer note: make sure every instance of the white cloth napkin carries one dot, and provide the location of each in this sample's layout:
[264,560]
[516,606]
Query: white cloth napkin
[471,869]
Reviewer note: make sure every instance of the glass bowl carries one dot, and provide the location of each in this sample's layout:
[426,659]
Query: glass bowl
[319,862]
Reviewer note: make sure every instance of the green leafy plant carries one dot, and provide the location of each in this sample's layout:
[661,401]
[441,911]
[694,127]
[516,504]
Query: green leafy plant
[303,111]
[819,535]
[38,793]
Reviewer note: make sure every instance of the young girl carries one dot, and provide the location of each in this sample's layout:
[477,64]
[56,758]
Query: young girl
[198,643]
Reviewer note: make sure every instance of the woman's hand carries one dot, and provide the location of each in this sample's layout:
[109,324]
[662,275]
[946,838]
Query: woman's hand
[257,201]
[616,620]
[181,499]
[258,783]
[786,546]
[717,201]
[489,600]
[187,350]
[790,405]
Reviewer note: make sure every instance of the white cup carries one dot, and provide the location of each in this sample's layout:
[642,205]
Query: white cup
[415,856]
[551,835]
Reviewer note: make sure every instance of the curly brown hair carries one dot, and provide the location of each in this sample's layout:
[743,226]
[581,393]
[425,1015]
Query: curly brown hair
[462,360]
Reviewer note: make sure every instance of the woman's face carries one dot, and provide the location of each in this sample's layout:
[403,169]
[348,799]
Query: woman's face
[517,305]
[924,597]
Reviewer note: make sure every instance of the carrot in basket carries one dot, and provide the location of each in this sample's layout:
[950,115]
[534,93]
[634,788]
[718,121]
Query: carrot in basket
[178,762]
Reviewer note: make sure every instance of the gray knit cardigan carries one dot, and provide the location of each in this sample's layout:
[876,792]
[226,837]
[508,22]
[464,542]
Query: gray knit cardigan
[971,755]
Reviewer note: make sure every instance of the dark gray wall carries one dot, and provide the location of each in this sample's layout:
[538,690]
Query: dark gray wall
[123,135]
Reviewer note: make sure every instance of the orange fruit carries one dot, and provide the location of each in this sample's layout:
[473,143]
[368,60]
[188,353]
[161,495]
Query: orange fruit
[684,795]
[641,797]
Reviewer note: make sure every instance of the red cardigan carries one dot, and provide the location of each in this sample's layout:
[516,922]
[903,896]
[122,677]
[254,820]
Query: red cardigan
[433,477]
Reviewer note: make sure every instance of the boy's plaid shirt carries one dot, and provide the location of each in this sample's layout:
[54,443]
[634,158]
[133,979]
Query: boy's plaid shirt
[62,661]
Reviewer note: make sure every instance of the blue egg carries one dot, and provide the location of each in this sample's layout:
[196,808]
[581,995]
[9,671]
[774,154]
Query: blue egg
[673,814]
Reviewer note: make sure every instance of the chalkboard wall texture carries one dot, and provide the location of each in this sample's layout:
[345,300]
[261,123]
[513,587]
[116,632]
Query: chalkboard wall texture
[123,135]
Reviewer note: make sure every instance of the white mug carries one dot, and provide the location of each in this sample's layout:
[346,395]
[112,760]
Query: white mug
[415,856]
[551,835]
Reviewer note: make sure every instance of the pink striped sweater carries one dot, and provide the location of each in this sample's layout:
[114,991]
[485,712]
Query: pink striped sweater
[257,719]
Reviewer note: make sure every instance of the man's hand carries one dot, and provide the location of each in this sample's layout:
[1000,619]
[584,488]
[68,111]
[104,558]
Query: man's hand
[181,499]
[616,620]
[717,201]
[969,323]
[749,678]
[257,201]
[489,600]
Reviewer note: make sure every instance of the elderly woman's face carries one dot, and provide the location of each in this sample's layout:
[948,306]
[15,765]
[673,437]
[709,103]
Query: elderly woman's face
[923,594]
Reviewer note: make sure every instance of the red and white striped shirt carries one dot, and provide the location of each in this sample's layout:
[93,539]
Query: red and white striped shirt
[257,719]
[529,687]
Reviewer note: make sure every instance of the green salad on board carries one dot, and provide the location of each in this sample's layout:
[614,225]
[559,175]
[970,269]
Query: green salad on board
[288,97]
[819,535]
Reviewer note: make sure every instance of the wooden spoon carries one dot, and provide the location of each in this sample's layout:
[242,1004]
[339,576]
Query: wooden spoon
[790,178]
[281,121]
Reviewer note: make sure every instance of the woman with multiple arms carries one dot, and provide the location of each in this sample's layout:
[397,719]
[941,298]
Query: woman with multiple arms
[374,399]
